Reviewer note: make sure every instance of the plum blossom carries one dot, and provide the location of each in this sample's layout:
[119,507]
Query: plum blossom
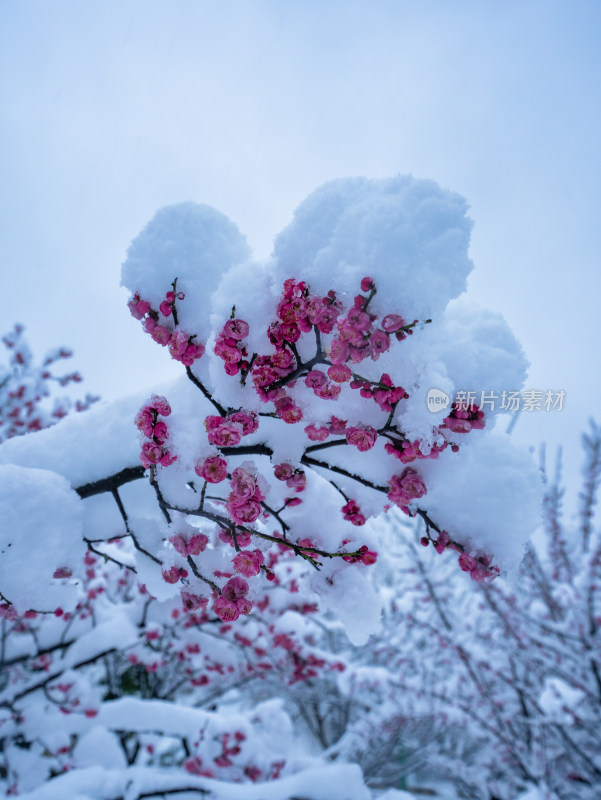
[248,563]
[406,487]
[191,546]
[363,438]
[212,469]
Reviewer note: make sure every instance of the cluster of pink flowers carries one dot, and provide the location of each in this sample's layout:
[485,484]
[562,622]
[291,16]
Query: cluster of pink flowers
[244,501]
[286,408]
[230,348]
[367,557]
[182,346]
[464,419]
[407,451]
[352,513]
[228,431]
[355,335]
[233,600]
[322,387]
[404,488]
[295,478]
[384,393]
[266,370]
[155,451]
[357,339]
[189,546]
[174,574]
[319,433]
[480,567]
[297,313]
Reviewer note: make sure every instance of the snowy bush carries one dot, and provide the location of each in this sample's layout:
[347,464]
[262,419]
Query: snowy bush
[25,387]
[494,689]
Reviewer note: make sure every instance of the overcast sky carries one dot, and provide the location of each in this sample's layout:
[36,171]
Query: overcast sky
[110,110]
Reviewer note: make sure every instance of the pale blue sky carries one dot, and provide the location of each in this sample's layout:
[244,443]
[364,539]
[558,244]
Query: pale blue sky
[109,110]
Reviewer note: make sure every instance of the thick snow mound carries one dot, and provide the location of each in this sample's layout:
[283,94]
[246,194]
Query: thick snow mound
[41,516]
[191,242]
[410,235]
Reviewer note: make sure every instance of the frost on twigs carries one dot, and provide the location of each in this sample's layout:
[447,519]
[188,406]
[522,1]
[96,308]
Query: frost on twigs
[311,415]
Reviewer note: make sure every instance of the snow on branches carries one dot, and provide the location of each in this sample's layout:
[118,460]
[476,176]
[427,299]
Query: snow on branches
[304,412]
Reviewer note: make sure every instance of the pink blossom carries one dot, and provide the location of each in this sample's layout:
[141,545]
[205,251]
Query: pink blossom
[235,589]
[339,351]
[228,352]
[393,322]
[227,610]
[242,539]
[161,335]
[441,543]
[290,331]
[406,487]
[165,308]
[248,420]
[315,378]
[244,485]
[298,481]
[340,373]
[228,434]
[144,421]
[363,438]
[352,513]
[368,556]
[367,284]
[248,563]
[192,602]
[212,469]
[463,420]
[337,426]
[379,342]
[317,434]
[283,471]
[212,422]
[193,546]
[183,349]
[350,334]
[236,329]
[282,362]
[62,572]
[178,344]
[359,319]
[160,432]
[151,453]
[160,405]
[173,574]
[328,392]
[287,410]
[245,513]
[244,605]
[138,308]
